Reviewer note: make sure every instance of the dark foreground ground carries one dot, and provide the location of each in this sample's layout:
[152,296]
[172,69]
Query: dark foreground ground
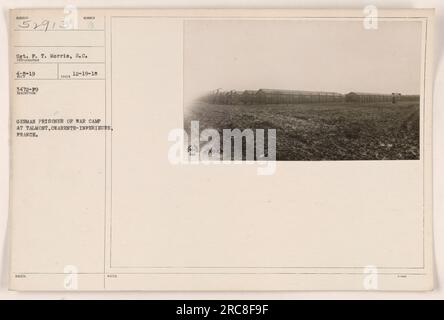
[343,131]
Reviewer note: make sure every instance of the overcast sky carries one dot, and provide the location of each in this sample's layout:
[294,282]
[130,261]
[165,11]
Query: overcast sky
[303,55]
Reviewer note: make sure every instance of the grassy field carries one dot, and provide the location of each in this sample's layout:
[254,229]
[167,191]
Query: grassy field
[341,131]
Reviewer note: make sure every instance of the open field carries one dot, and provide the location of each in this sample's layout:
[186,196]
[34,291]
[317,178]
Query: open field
[337,131]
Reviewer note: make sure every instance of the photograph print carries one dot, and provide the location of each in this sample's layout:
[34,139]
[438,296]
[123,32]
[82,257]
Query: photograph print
[331,89]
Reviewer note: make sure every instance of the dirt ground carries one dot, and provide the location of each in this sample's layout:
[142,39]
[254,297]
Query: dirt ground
[339,131]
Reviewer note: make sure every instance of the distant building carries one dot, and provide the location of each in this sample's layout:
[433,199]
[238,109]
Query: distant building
[410,97]
[366,97]
[276,96]
[248,97]
[273,96]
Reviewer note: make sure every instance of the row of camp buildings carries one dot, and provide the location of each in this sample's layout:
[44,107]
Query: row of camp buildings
[273,96]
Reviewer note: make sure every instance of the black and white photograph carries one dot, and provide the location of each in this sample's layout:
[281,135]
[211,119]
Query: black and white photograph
[332,90]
